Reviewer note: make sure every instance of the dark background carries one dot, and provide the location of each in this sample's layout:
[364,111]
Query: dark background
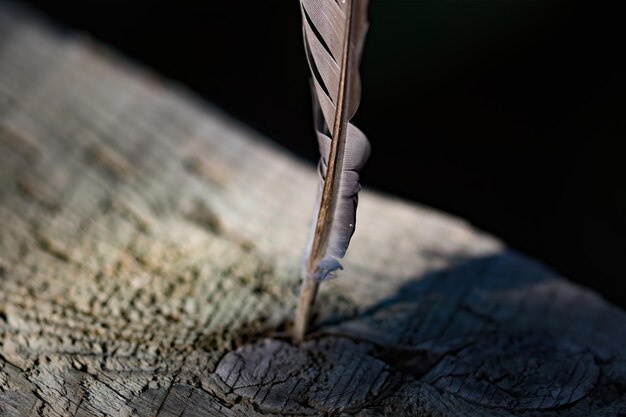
[508,113]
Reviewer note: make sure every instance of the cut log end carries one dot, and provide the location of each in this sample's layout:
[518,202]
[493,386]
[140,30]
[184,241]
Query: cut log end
[141,277]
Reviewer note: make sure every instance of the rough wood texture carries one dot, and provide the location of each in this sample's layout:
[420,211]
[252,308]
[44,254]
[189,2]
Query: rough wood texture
[150,247]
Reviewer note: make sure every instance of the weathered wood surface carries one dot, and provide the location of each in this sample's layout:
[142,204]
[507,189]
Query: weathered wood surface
[149,251]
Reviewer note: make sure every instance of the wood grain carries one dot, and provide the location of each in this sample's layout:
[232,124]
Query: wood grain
[150,248]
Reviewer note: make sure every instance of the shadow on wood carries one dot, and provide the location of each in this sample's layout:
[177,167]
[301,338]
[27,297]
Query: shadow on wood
[149,246]
[497,332]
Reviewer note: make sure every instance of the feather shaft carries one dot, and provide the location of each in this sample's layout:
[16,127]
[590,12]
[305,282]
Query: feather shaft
[324,218]
[334,32]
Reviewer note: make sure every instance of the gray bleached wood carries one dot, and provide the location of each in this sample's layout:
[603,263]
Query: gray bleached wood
[148,259]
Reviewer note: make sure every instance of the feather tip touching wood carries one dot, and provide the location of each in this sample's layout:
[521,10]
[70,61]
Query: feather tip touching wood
[334,34]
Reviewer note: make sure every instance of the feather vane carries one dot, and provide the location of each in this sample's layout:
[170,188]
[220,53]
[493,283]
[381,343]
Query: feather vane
[334,34]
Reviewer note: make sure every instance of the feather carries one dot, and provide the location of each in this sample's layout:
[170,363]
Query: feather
[334,34]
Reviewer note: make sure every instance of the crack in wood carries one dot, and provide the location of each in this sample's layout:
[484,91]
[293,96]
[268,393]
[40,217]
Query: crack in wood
[130,300]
